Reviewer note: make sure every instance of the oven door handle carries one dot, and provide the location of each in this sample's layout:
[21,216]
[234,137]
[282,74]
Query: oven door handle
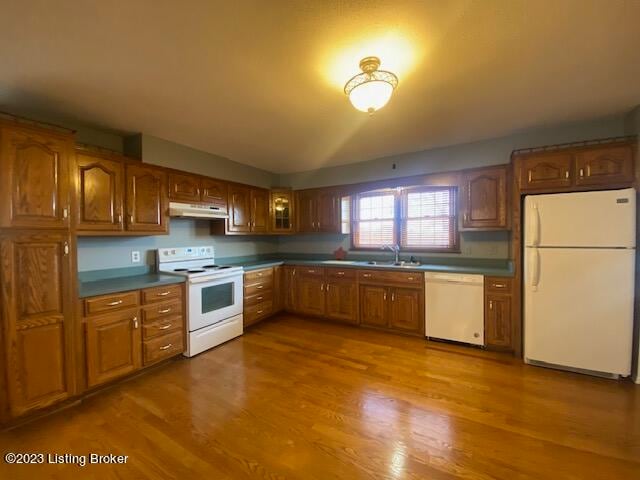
[215,280]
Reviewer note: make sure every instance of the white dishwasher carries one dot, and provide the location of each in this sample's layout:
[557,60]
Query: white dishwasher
[454,307]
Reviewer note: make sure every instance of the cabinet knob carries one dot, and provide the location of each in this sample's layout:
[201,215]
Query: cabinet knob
[581,172]
[65,212]
[490,305]
[66,248]
[566,174]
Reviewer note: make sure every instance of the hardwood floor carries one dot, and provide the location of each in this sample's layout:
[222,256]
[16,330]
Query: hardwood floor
[301,399]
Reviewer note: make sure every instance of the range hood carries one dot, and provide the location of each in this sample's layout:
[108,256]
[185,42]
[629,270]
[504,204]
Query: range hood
[189,210]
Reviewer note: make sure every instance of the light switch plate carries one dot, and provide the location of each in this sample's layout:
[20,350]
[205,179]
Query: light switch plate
[135,256]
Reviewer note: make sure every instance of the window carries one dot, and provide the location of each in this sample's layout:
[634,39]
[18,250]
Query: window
[416,218]
[429,219]
[345,217]
[374,215]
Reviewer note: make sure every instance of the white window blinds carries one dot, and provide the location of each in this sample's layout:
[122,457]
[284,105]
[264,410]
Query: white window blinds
[429,219]
[374,224]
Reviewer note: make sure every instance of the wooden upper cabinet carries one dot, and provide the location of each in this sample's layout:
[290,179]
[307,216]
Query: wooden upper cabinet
[374,305]
[146,199]
[306,211]
[318,211]
[184,187]
[328,219]
[342,300]
[239,209]
[113,346]
[259,210]
[484,199]
[37,311]
[406,310]
[99,187]
[34,185]
[605,165]
[546,170]
[281,211]
[213,191]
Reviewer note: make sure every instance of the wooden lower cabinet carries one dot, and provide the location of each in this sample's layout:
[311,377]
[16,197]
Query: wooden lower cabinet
[407,310]
[290,294]
[311,295]
[263,294]
[373,305]
[498,324]
[342,300]
[130,330]
[113,346]
[37,321]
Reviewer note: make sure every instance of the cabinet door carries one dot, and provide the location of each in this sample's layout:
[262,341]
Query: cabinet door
[328,212]
[99,193]
[290,289]
[259,210]
[606,165]
[407,310]
[184,187]
[239,209]
[278,288]
[373,305]
[484,199]
[546,170]
[310,295]
[34,185]
[37,313]
[113,346]
[146,199]
[307,211]
[497,321]
[281,211]
[342,300]
[214,191]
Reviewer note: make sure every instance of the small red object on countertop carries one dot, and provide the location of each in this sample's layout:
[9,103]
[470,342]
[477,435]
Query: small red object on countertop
[340,253]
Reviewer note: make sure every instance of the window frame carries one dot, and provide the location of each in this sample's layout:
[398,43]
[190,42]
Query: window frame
[400,195]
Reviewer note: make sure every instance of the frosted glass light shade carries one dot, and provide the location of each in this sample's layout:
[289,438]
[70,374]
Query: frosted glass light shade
[371,96]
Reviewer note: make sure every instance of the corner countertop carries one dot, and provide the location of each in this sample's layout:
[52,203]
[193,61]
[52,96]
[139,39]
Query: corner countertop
[498,268]
[125,283]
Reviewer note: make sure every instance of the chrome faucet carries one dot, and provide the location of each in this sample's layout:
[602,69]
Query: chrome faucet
[395,249]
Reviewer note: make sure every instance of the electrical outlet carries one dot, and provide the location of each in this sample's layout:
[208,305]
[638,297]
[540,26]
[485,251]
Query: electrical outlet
[135,256]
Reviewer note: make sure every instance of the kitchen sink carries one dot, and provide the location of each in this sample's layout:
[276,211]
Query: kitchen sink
[393,264]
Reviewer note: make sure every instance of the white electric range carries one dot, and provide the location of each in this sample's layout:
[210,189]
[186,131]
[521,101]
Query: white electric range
[214,295]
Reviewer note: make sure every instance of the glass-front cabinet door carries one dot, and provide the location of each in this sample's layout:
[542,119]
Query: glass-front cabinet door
[281,211]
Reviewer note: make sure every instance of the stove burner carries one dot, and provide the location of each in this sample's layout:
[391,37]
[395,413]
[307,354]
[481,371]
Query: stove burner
[195,271]
[210,266]
[180,270]
[225,266]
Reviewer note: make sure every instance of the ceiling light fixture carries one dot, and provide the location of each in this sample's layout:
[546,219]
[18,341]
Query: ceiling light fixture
[370,90]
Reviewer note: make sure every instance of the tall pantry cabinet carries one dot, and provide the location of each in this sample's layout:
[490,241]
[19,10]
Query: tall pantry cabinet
[37,261]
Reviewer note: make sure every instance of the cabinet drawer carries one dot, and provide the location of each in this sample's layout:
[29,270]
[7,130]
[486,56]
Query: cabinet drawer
[347,273]
[163,347]
[161,294]
[258,298]
[258,276]
[378,276]
[164,326]
[498,284]
[256,288]
[161,310]
[310,271]
[110,303]
[257,312]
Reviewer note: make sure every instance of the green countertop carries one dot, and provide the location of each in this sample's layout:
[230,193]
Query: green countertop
[125,283]
[498,268]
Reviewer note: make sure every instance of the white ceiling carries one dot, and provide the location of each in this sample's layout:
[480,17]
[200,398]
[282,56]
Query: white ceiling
[261,82]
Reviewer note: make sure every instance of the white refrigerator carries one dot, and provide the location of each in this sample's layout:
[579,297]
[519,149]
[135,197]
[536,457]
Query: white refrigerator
[579,280]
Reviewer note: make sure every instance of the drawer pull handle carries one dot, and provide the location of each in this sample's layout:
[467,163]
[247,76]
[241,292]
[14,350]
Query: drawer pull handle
[340,273]
[163,294]
[393,297]
[259,287]
[113,304]
[410,278]
[259,312]
[367,275]
[499,285]
[166,346]
[311,271]
[166,310]
[259,298]
[165,327]
[135,322]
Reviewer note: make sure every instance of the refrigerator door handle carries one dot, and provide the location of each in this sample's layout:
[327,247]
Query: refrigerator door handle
[534,268]
[535,226]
